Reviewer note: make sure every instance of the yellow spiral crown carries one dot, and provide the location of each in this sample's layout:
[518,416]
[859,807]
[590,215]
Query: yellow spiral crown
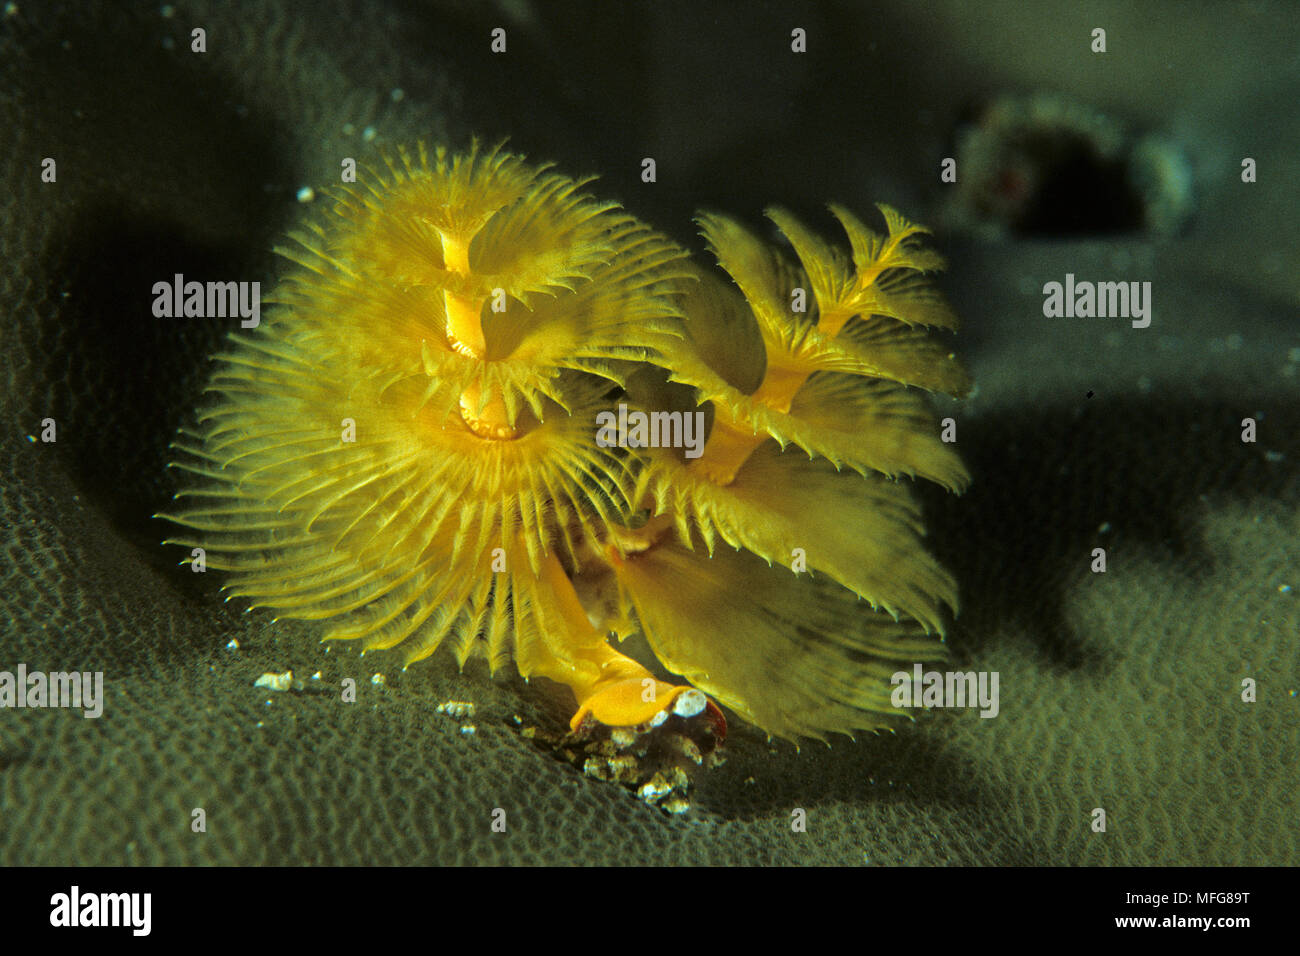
[407,449]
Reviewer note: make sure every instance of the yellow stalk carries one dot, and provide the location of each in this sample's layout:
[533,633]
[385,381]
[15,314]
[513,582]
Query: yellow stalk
[491,422]
[729,447]
[612,687]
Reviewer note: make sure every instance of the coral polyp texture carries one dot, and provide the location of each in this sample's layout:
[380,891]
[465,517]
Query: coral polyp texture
[407,449]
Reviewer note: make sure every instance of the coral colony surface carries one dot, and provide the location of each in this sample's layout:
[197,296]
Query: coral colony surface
[492,413]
